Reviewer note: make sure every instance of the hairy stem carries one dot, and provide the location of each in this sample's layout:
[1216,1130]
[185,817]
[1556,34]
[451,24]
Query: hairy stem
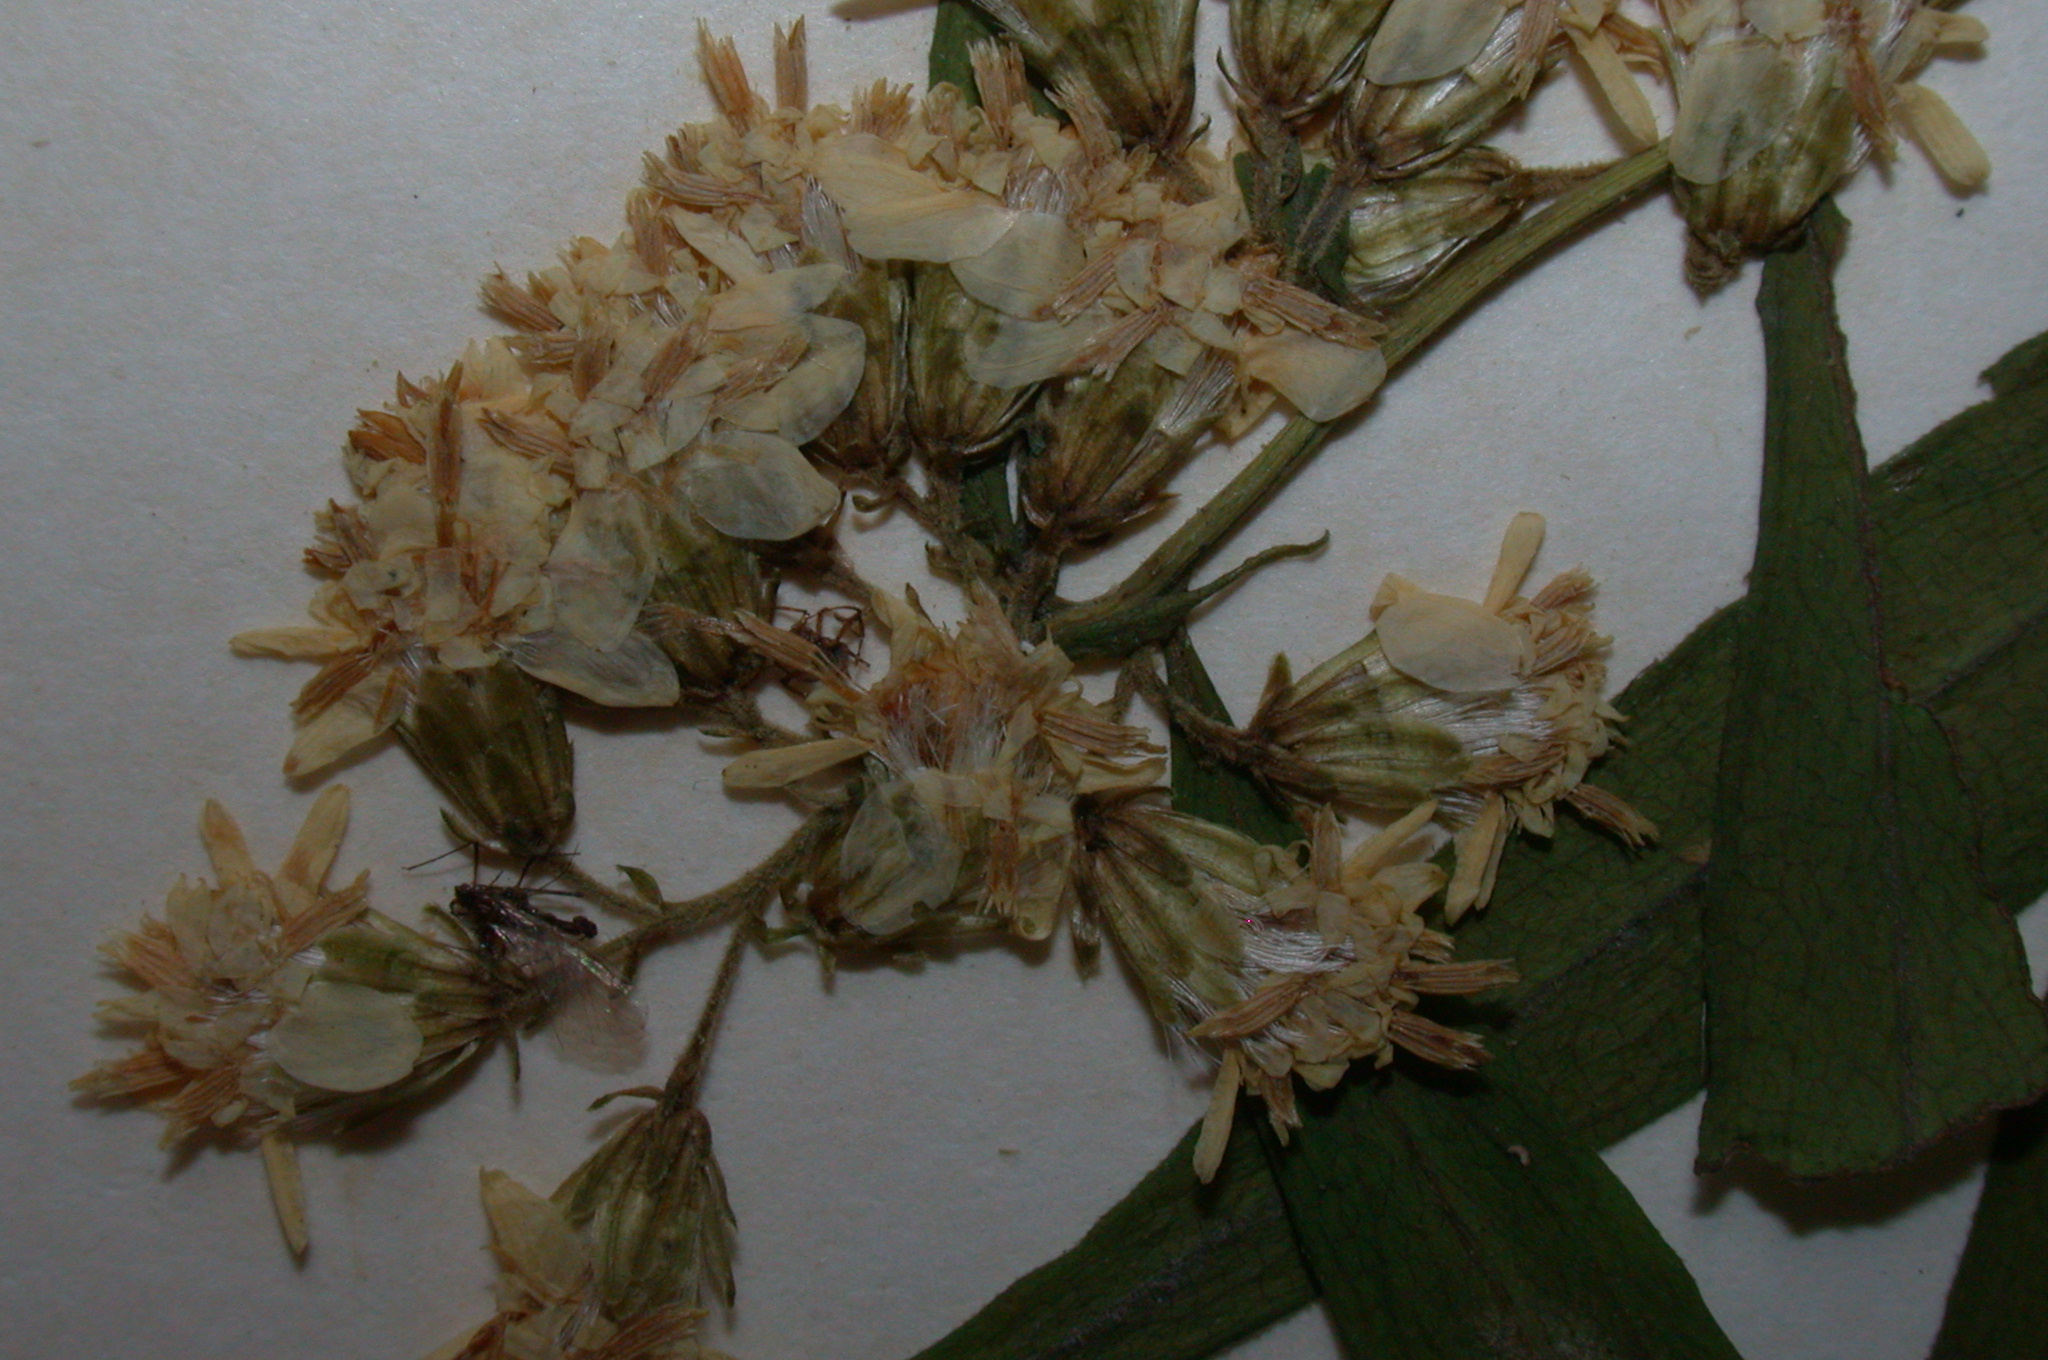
[749,893]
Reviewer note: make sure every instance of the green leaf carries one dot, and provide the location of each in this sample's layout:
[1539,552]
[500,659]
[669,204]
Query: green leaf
[643,883]
[1176,1269]
[1998,1303]
[1457,1223]
[956,26]
[1865,995]
[1605,1025]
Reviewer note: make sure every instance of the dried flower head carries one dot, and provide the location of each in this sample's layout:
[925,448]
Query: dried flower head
[1779,100]
[1293,56]
[1402,232]
[971,751]
[243,1032]
[1075,256]
[550,1302]
[1283,970]
[652,1203]
[1135,59]
[1491,707]
[1441,74]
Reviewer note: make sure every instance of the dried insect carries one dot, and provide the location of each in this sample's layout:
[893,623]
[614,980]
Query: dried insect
[543,957]
[839,631]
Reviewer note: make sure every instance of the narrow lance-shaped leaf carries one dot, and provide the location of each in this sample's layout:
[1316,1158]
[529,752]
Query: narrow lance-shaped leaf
[1177,1269]
[1605,1022]
[1998,1303]
[1864,993]
[1460,1224]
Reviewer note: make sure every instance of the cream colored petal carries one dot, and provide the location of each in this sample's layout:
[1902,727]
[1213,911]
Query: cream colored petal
[816,390]
[1451,644]
[332,734]
[936,229]
[1618,86]
[729,252]
[780,765]
[225,845]
[1222,1112]
[602,567]
[1734,98]
[294,644]
[1959,30]
[1958,157]
[313,850]
[770,299]
[1518,549]
[1690,24]
[534,1241]
[635,674]
[1424,39]
[1786,20]
[1384,847]
[1025,269]
[287,1190]
[896,857]
[1478,849]
[750,485]
[1322,378]
[861,170]
[1019,353]
[341,1037]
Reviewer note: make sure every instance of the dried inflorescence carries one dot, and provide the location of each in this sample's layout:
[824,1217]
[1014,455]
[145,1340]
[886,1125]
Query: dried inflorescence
[1780,100]
[967,755]
[1492,707]
[252,1022]
[1282,969]
[551,1301]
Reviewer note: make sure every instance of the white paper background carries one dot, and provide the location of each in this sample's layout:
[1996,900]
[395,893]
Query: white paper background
[225,224]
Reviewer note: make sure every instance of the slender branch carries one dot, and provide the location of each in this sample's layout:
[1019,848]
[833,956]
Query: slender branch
[1411,327]
[680,1093]
[750,892]
[598,893]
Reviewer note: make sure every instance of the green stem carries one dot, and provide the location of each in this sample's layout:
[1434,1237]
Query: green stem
[749,893]
[1412,327]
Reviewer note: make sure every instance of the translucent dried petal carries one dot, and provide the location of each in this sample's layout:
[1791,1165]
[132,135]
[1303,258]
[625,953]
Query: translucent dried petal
[636,674]
[1019,352]
[346,1038]
[534,1241]
[1026,269]
[777,766]
[1424,39]
[757,486]
[1451,644]
[1322,378]
[816,390]
[936,228]
[602,567]
[333,733]
[1955,152]
[1734,98]
[769,299]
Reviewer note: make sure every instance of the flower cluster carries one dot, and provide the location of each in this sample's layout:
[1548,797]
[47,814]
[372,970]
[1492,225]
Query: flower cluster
[1283,969]
[550,1302]
[1492,708]
[1779,100]
[256,1017]
[971,752]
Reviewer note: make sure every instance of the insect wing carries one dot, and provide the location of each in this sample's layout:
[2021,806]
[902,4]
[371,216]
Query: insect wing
[595,1023]
[592,1017]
